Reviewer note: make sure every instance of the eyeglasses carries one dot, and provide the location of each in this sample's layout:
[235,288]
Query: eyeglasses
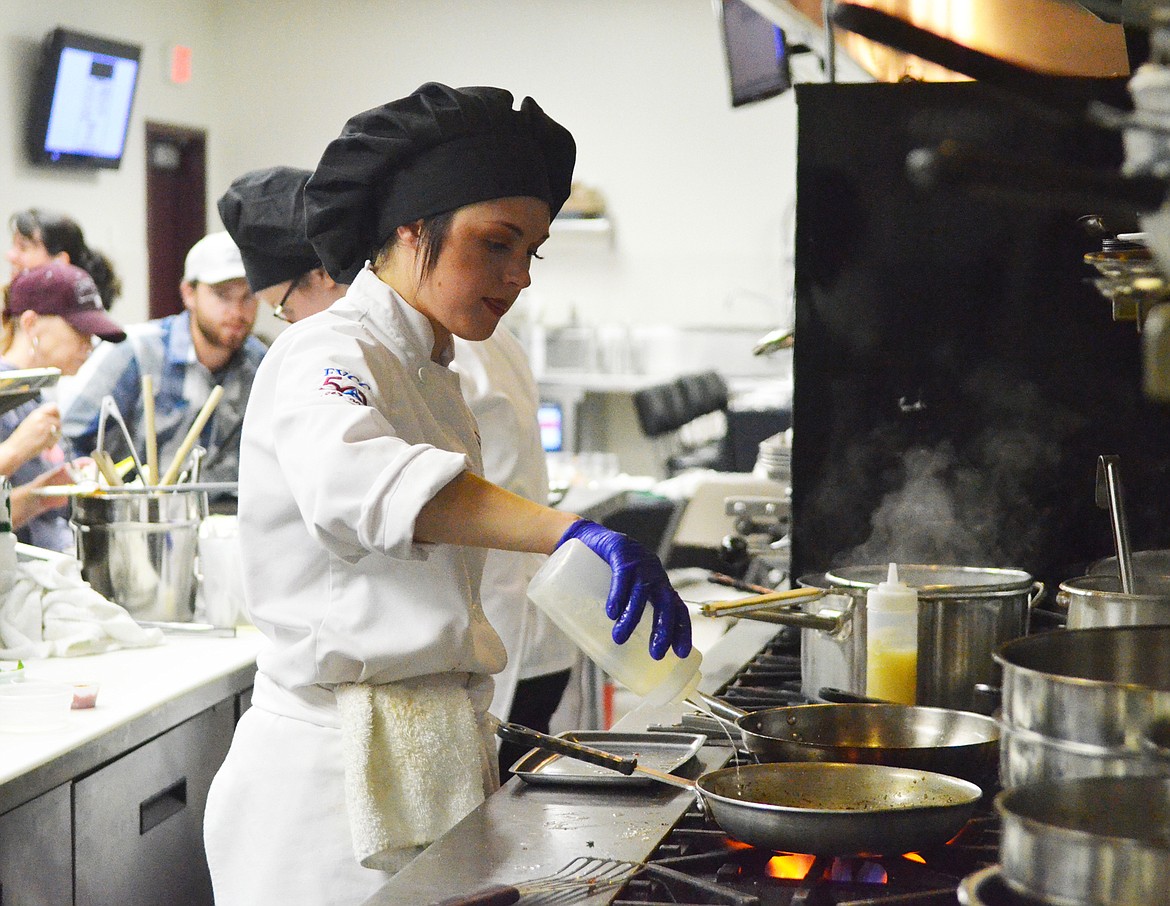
[278,312]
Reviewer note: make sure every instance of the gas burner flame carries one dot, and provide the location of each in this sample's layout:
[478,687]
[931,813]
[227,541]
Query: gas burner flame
[791,866]
[862,869]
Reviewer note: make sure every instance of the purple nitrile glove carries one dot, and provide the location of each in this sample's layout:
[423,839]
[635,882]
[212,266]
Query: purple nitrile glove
[638,577]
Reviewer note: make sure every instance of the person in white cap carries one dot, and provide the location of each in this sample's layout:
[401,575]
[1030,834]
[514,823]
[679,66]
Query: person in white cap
[209,344]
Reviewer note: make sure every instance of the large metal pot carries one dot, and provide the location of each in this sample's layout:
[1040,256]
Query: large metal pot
[1093,841]
[1083,703]
[965,614]
[1097,600]
[139,549]
[1145,563]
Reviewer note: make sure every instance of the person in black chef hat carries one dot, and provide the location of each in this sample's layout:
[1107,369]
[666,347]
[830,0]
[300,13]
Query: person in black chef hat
[363,517]
[264,212]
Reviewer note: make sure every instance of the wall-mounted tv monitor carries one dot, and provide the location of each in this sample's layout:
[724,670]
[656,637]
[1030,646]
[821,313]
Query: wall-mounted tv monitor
[81,99]
[755,51]
[552,427]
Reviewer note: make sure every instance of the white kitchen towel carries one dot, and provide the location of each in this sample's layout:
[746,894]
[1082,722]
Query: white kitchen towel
[415,765]
[51,611]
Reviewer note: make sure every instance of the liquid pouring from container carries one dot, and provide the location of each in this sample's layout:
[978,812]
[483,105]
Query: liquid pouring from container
[571,588]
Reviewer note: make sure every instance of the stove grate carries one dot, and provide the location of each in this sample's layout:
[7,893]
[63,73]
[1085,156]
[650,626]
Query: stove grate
[721,871]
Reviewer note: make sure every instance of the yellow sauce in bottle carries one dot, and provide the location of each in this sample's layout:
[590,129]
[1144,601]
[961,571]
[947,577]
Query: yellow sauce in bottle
[891,649]
[891,672]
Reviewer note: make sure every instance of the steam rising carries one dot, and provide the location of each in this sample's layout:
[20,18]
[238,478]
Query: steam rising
[974,506]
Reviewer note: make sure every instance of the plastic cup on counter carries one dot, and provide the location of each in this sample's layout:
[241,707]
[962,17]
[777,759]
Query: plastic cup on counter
[84,696]
[34,706]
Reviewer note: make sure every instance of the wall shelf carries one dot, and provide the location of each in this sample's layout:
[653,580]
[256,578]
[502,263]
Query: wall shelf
[585,229]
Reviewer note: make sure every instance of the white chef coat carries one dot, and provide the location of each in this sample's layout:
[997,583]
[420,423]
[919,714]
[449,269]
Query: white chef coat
[498,385]
[350,430]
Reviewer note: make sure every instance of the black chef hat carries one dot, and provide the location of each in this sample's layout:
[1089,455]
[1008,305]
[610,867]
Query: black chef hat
[264,211]
[433,151]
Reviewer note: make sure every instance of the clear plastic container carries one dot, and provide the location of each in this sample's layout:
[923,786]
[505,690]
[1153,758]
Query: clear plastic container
[571,587]
[84,695]
[34,706]
[891,649]
[11,671]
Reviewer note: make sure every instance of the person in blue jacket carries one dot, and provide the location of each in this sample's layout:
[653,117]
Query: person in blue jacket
[187,355]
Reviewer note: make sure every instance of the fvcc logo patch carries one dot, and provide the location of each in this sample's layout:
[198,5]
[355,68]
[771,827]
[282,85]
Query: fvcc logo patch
[341,383]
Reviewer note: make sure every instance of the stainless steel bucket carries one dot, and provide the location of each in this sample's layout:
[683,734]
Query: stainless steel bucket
[965,614]
[1097,600]
[1083,703]
[1088,842]
[139,550]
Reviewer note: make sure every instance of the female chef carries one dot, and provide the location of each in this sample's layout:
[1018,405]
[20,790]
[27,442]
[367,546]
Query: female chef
[264,211]
[363,517]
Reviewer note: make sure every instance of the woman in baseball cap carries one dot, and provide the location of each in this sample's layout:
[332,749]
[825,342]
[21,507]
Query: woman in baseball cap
[53,314]
[361,466]
[57,306]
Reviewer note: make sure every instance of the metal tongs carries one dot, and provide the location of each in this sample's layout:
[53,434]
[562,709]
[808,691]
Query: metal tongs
[1111,498]
[110,409]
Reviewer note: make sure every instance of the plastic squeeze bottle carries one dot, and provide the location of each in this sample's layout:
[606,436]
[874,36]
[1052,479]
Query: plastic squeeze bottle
[891,650]
[571,587]
[7,538]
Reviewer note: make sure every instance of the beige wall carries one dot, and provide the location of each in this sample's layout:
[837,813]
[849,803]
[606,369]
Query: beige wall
[109,204]
[699,193]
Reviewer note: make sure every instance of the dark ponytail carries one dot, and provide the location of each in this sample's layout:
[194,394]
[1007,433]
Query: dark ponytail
[98,266]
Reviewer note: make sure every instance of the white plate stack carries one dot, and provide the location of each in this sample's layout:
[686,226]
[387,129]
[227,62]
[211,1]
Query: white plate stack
[774,460]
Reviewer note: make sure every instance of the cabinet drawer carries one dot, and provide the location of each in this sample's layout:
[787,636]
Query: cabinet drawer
[36,853]
[138,822]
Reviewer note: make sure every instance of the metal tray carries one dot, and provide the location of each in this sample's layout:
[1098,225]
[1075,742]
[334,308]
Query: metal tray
[21,386]
[661,751]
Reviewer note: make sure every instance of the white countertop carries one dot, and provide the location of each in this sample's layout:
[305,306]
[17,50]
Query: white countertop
[133,683]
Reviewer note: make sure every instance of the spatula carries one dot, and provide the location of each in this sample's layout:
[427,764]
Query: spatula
[1110,497]
[583,875]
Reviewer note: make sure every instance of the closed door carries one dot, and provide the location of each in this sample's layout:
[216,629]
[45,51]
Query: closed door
[176,209]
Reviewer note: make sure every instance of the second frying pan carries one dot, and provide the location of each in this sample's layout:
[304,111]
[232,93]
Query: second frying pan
[959,743]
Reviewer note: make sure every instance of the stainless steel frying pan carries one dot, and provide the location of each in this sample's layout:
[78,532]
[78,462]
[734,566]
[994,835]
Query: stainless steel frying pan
[819,808]
[960,743]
